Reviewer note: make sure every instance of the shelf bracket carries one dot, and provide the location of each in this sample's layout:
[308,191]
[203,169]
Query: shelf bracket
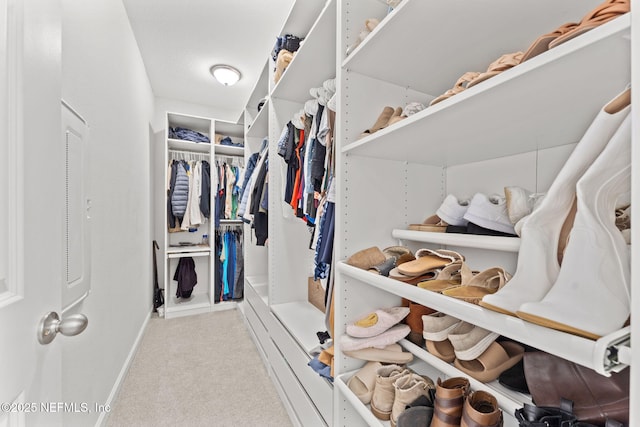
[613,352]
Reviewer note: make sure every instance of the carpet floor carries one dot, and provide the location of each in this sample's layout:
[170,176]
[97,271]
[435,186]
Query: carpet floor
[201,370]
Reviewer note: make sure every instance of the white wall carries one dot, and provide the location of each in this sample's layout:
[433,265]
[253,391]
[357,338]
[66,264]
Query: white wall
[164,105]
[104,79]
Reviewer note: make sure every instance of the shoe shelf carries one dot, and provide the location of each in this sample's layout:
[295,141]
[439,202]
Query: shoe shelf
[198,303]
[495,243]
[508,401]
[432,53]
[607,354]
[314,62]
[523,109]
[260,125]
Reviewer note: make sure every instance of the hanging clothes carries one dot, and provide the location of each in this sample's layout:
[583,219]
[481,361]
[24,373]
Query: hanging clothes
[186,277]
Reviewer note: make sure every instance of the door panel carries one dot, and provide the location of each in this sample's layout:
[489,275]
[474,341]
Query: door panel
[31,166]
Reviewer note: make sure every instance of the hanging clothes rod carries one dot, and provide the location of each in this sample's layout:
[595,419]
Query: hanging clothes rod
[189,153]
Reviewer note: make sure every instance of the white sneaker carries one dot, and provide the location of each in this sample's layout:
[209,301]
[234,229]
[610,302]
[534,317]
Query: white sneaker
[452,210]
[520,202]
[489,212]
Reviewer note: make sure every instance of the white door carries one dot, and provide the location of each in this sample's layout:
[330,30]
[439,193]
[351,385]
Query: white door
[31,208]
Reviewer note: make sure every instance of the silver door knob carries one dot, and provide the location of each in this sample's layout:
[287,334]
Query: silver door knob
[51,324]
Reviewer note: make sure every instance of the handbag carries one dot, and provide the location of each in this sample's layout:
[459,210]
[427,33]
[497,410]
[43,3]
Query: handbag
[595,397]
[316,294]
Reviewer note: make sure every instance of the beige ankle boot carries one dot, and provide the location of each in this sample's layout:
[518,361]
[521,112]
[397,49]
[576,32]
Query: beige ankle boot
[447,408]
[407,389]
[384,392]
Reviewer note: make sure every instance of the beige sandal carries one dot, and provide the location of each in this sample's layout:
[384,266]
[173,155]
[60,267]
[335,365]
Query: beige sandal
[607,11]
[433,224]
[460,85]
[506,61]
[477,286]
[449,277]
[541,44]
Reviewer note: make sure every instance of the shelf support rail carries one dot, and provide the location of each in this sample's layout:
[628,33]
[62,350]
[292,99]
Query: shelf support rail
[612,353]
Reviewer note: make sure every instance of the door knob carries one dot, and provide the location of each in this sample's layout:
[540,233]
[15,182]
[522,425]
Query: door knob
[51,324]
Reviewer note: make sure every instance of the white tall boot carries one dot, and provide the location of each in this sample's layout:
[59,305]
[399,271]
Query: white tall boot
[591,296]
[538,265]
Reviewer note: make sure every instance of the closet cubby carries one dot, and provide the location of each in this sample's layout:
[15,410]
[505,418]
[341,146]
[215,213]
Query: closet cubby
[192,242]
[517,128]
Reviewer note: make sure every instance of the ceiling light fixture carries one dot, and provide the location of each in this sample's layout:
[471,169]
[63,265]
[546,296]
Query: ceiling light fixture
[225,74]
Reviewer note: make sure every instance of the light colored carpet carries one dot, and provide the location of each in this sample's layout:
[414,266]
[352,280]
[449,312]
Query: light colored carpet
[200,370]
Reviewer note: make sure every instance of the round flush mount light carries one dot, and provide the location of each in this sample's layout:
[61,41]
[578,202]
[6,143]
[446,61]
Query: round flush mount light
[225,74]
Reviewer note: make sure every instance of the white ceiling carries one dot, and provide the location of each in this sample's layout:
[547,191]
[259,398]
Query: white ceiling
[181,39]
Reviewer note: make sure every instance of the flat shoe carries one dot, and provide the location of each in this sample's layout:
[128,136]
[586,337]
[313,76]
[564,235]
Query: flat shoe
[473,288]
[363,381]
[433,224]
[390,354]
[450,276]
[427,260]
[367,258]
[506,61]
[496,359]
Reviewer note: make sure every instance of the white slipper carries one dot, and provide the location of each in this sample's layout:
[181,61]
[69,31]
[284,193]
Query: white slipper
[390,336]
[378,321]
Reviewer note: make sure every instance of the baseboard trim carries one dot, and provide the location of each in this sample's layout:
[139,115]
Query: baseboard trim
[123,373]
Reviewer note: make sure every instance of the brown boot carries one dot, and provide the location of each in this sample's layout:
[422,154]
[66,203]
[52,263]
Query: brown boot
[384,392]
[414,320]
[447,408]
[481,410]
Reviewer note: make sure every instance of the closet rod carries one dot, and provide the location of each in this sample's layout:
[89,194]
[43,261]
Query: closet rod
[191,153]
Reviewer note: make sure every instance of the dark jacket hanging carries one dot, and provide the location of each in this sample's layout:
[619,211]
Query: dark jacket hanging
[186,276]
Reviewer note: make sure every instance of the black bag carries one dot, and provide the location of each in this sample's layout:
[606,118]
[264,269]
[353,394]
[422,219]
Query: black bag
[158,298]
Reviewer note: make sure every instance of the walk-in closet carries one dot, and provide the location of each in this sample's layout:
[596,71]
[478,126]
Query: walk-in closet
[319,213]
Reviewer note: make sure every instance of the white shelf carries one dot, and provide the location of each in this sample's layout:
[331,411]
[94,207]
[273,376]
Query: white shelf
[197,301]
[365,412]
[301,17]
[260,126]
[228,150]
[432,55]
[183,145]
[314,62]
[302,320]
[495,243]
[580,350]
[520,110]
[260,284]
[508,400]
[194,251]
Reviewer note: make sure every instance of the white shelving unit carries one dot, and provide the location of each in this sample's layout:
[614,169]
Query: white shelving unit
[182,244]
[276,309]
[516,128]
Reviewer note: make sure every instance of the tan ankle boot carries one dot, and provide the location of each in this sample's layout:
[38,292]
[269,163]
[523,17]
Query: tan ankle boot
[384,392]
[481,410]
[407,389]
[447,408]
